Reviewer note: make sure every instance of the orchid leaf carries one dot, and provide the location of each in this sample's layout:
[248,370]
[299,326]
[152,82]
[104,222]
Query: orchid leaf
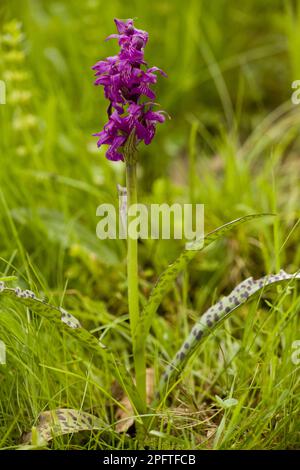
[69,324]
[167,278]
[214,316]
[62,319]
[55,423]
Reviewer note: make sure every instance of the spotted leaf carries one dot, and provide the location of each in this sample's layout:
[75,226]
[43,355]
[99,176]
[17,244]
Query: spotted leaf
[213,317]
[63,319]
[68,323]
[167,278]
[55,423]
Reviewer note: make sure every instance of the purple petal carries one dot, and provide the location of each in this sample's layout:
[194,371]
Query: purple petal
[155,116]
[104,138]
[113,155]
[112,36]
[122,26]
[141,131]
[144,90]
[150,134]
[156,69]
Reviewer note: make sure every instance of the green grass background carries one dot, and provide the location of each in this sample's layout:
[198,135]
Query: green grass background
[232,143]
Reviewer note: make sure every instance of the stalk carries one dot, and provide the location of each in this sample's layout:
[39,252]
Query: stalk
[132,277]
[192,161]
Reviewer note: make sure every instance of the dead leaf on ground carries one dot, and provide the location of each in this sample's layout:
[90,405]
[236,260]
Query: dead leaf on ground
[125,415]
[54,423]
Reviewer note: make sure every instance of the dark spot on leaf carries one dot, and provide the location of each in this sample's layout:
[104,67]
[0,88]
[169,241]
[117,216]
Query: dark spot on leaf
[199,335]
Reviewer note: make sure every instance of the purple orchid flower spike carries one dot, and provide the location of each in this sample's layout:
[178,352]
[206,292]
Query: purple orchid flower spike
[127,82]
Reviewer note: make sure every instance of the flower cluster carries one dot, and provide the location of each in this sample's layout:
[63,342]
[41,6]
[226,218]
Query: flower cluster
[127,85]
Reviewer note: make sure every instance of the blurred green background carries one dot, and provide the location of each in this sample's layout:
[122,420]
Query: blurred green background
[228,93]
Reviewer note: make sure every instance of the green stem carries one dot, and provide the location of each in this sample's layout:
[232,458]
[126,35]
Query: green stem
[192,161]
[132,276]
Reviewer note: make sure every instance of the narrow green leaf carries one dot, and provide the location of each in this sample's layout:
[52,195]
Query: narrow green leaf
[62,319]
[213,317]
[167,278]
[8,278]
[68,323]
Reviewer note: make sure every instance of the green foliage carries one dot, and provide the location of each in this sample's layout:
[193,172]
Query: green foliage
[56,423]
[215,315]
[167,278]
[232,144]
